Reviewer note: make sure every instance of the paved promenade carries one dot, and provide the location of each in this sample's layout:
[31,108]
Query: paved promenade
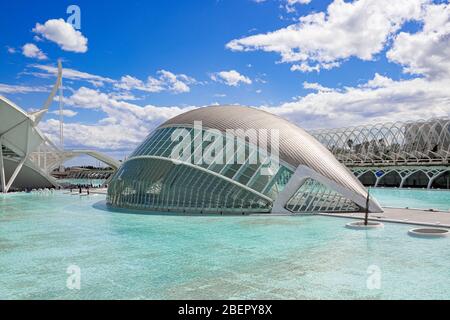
[409,216]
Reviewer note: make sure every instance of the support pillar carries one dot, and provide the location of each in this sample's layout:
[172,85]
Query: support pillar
[403,182]
[430,182]
[15,173]
[434,177]
[2,169]
[378,181]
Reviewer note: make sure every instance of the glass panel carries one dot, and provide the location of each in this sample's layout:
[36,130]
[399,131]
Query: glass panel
[313,196]
[161,185]
[160,194]
[277,184]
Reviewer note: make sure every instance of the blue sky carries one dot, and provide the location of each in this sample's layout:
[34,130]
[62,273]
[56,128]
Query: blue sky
[317,63]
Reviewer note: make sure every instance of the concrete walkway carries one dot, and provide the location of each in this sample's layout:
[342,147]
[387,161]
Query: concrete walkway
[407,216]
[99,190]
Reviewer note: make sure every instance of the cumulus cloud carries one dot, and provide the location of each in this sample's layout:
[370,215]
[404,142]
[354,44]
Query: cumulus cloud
[426,52]
[290,5]
[66,113]
[292,2]
[316,86]
[288,2]
[165,81]
[9,88]
[63,34]
[380,99]
[230,78]
[123,127]
[46,71]
[347,29]
[30,50]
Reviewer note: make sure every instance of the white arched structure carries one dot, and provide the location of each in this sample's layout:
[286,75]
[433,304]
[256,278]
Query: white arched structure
[307,179]
[27,156]
[406,148]
[70,154]
[419,142]
[21,144]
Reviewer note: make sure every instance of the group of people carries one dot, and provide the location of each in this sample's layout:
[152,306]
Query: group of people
[80,188]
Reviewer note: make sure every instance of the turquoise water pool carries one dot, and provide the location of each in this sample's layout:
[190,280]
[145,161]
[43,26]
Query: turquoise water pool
[412,198]
[139,256]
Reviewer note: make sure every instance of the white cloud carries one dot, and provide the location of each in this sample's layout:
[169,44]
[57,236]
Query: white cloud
[62,33]
[126,96]
[230,78]
[8,88]
[166,81]
[293,2]
[30,50]
[129,83]
[315,86]
[289,2]
[71,74]
[87,98]
[426,52]
[347,29]
[380,99]
[66,113]
[123,127]
[290,5]
[10,50]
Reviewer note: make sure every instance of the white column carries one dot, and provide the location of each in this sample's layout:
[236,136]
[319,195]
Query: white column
[2,168]
[15,173]
[21,163]
[378,180]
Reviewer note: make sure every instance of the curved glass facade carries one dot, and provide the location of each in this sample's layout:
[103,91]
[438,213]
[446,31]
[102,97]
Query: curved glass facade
[150,179]
[233,159]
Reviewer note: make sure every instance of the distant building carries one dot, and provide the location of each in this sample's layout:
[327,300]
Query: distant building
[395,154]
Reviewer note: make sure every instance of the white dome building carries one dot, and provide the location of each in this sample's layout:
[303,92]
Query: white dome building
[293,171]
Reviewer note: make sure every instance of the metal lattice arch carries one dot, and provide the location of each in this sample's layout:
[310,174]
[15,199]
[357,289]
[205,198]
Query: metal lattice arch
[403,148]
[411,142]
[308,178]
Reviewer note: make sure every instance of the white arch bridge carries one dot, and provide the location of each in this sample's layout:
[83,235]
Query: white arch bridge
[400,154]
[113,163]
